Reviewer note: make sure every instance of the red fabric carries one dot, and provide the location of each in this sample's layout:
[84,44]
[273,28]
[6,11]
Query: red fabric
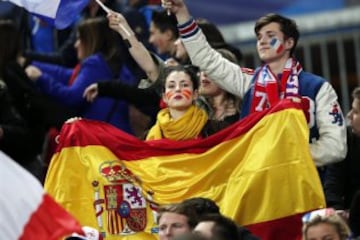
[162,104]
[154,2]
[50,222]
[74,74]
[279,229]
[138,149]
[51,144]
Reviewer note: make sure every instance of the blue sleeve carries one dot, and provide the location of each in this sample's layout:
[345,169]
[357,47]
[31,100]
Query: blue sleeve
[57,72]
[92,70]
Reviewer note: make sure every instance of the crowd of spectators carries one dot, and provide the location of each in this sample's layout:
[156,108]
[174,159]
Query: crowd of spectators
[140,62]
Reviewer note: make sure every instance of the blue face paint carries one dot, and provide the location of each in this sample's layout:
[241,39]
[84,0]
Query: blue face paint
[276,45]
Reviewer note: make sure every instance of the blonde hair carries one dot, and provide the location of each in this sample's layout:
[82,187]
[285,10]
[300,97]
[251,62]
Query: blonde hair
[334,220]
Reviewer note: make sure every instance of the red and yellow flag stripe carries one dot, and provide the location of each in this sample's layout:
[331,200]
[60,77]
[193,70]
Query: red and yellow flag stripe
[259,170]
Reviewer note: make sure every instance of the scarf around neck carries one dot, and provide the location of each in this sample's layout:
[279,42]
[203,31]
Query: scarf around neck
[268,89]
[189,126]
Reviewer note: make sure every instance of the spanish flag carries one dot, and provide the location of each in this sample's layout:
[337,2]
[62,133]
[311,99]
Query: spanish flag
[259,171]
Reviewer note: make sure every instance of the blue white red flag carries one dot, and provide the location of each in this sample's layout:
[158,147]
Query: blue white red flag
[61,13]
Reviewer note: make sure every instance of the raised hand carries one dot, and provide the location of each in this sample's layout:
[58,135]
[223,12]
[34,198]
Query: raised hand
[118,23]
[33,72]
[172,5]
[178,8]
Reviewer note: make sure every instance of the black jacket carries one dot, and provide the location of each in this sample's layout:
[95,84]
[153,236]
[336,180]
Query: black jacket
[16,140]
[38,110]
[343,179]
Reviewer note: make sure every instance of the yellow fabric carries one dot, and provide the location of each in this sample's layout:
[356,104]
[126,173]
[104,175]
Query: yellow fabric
[70,180]
[187,127]
[263,175]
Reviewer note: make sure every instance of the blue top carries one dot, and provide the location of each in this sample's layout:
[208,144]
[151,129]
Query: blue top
[54,82]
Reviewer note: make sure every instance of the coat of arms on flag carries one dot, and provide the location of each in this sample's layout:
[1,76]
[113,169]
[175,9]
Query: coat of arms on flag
[118,201]
[259,171]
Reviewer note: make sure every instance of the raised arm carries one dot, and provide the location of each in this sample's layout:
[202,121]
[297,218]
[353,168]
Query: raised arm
[137,50]
[179,8]
[229,76]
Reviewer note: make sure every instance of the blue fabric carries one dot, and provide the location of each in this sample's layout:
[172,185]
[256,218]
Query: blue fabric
[148,10]
[42,35]
[54,82]
[66,13]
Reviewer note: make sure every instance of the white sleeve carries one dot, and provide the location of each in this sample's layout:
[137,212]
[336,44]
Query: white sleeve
[229,76]
[331,146]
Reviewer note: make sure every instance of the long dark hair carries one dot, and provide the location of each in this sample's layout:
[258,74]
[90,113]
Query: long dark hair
[97,37]
[10,43]
[191,70]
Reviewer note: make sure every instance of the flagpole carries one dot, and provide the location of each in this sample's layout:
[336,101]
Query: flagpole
[107,10]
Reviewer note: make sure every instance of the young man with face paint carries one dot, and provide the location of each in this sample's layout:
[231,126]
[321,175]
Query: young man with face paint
[280,76]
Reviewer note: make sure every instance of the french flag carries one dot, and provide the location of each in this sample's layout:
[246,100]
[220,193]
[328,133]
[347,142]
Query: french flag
[276,45]
[27,212]
[61,13]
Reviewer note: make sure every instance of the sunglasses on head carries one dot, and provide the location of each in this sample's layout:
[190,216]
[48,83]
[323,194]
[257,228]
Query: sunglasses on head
[325,212]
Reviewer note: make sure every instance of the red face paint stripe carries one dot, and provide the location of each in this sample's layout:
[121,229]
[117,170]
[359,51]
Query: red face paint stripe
[186,93]
[169,95]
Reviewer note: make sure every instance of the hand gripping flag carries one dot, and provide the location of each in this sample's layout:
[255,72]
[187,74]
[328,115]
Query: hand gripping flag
[259,171]
[26,211]
[61,13]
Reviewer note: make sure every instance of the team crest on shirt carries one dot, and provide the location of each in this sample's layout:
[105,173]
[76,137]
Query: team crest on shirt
[337,115]
[117,201]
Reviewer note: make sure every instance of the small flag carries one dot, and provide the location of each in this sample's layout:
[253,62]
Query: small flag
[61,13]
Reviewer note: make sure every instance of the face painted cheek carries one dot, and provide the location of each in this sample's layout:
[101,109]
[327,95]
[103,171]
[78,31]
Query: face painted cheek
[187,93]
[169,95]
[276,45]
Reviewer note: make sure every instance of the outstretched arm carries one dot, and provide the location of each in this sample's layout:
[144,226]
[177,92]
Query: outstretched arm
[229,76]
[138,51]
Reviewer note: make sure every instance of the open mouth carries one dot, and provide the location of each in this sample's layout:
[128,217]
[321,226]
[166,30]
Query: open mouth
[178,97]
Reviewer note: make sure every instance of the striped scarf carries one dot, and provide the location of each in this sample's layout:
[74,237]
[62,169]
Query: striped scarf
[268,89]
